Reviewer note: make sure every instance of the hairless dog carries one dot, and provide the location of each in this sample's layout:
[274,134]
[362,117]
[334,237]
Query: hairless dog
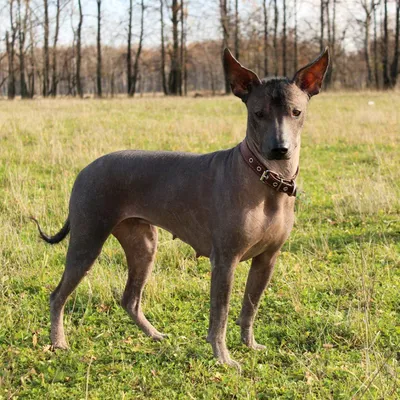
[230,205]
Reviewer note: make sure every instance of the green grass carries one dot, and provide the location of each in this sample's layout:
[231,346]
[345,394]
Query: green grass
[330,318]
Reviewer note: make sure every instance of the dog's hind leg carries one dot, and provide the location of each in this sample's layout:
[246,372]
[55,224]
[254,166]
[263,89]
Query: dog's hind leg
[139,241]
[82,252]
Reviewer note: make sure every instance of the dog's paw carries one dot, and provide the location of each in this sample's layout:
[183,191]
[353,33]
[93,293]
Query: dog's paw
[249,341]
[231,363]
[59,346]
[158,336]
[258,347]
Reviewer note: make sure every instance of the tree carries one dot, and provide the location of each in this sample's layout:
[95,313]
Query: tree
[276,18]
[162,66]
[79,52]
[54,79]
[331,30]
[138,52]
[183,51]
[10,48]
[32,58]
[224,18]
[376,62]
[368,7]
[321,20]
[385,48]
[236,30]
[22,28]
[99,60]
[129,50]
[394,69]
[284,38]
[265,38]
[295,39]
[175,73]
[46,57]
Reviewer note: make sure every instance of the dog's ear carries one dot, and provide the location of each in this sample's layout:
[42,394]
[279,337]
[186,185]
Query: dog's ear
[310,78]
[240,78]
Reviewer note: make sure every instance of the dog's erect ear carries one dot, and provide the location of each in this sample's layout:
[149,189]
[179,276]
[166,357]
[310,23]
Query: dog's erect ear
[240,78]
[310,78]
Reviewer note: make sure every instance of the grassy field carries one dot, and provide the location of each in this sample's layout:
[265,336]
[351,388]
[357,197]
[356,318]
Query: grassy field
[330,319]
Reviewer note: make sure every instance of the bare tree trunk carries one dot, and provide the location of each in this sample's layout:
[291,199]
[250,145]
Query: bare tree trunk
[265,13]
[331,68]
[367,49]
[129,51]
[385,49]
[328,21]
[54,79]
[237,29]
[22,28]
[32,72]
[163,77]
[212,80]
[99,61]
[321,37]
[368,7]
[79,51]
[223,7]
[112,84]
[331,32]
[10,45]
[139,50]
[394,70]
[284,40]
[140,84]
[175,73]
[183,51]
[185,76]
[295,40]
[46,57]
[376,65]
[276,18]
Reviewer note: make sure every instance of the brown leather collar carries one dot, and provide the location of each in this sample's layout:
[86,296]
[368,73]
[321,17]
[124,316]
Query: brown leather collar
[270,178]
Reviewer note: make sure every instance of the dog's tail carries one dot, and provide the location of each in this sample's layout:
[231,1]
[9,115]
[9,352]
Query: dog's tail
[58,236]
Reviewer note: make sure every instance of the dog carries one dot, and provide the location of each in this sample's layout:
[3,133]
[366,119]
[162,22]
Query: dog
[231,205]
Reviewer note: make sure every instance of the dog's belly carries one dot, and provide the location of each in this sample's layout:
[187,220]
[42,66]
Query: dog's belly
[188,226]
[200,242]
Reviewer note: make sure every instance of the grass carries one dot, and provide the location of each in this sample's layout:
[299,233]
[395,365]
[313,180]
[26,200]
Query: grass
[330,318]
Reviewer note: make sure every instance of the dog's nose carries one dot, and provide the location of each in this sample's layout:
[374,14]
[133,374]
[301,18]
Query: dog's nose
[279,151]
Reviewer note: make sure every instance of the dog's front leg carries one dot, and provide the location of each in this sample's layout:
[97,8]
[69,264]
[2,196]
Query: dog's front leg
[223,267]
[259,276]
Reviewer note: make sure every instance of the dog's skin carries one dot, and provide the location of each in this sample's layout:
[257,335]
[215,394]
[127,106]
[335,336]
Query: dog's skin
[214,202]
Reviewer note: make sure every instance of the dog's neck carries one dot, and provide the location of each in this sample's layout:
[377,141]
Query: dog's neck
[287,168]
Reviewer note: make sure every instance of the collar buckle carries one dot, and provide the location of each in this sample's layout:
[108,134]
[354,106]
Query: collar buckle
[265,175]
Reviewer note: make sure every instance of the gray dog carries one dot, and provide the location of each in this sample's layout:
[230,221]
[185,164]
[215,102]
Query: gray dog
[230,206]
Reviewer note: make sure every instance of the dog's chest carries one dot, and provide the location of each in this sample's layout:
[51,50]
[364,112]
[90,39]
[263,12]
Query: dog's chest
[267,229]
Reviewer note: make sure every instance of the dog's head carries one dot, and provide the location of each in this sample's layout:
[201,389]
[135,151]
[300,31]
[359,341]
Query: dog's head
[276,106]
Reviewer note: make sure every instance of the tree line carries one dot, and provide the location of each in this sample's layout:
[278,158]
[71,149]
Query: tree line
[271,37]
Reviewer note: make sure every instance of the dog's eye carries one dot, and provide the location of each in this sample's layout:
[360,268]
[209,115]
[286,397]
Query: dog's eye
[296,112]
[259,114]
